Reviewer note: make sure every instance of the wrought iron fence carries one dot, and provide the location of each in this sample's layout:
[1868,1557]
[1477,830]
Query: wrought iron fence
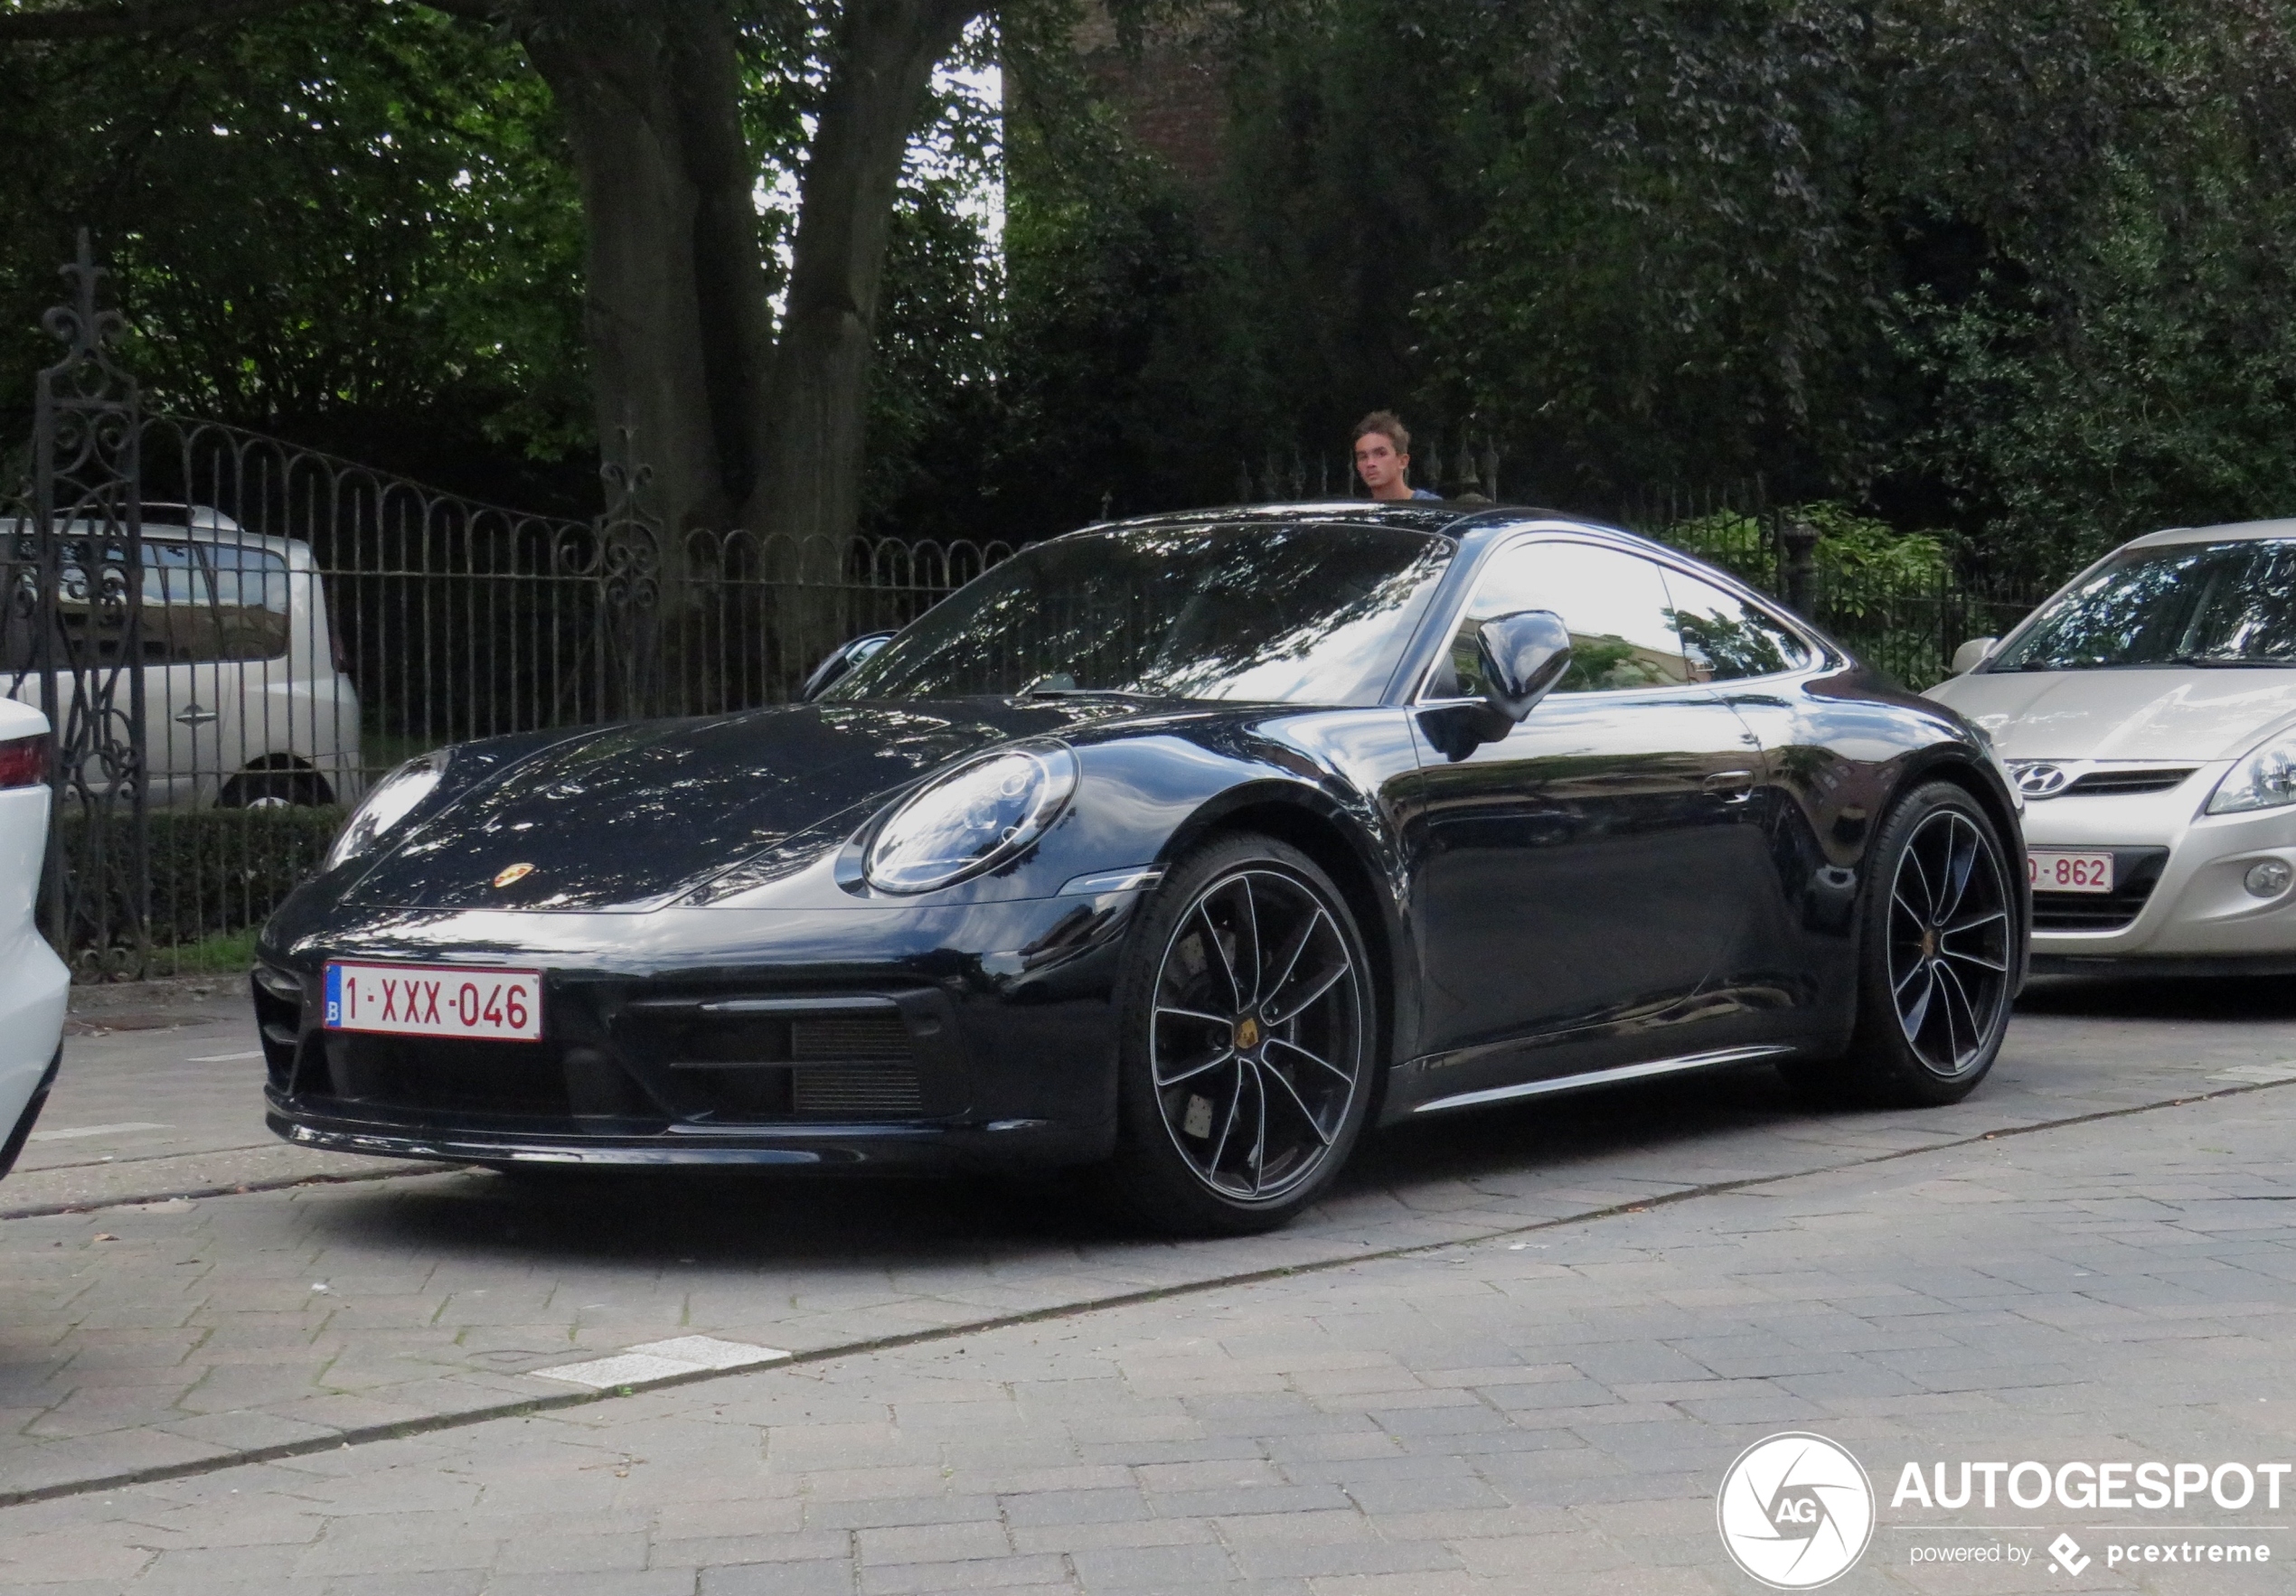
[235,636]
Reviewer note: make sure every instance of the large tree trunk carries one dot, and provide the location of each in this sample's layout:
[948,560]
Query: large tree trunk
[812,424]
[675,295]
[740,428]
[674,307]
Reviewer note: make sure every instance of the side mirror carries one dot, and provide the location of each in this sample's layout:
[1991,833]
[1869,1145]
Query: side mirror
[1524,656]
[841,662]
[1972,654]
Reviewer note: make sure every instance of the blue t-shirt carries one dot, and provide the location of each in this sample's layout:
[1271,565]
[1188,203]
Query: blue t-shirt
[1423,493]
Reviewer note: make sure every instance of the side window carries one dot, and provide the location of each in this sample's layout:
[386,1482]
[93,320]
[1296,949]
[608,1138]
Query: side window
[1727,639]
[178,627]
[1615,604]
[250,602]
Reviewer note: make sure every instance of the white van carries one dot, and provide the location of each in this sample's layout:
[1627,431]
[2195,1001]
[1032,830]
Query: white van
[246,701]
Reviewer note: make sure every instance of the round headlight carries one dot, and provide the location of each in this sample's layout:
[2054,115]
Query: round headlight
[2266,779]
[973,819]
[393,799]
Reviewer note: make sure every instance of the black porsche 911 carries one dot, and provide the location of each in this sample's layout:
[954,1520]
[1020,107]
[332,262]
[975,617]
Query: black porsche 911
[1183,847]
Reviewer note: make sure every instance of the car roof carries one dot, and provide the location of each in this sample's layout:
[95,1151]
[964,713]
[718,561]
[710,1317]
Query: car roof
[2238,531]
[1454,519]
[200,523]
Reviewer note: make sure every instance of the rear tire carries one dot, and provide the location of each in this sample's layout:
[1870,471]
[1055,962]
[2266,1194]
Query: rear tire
[1249,1043]
[275,785]
[1937,951]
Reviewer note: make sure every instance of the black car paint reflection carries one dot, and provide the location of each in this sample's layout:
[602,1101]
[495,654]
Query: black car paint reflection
[1663,872]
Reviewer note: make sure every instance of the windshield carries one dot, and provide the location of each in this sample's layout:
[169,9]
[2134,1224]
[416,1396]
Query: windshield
[2188,604]
[1287,614]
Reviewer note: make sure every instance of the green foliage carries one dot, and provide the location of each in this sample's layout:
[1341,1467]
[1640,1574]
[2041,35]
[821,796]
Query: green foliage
[227,953]
[216,872]
[221,870]
[1857,545]
[357,224]
[2017,269]
[351,223]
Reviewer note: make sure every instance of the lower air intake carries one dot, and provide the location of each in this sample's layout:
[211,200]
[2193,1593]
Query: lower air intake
[856,1091]
[849,1039]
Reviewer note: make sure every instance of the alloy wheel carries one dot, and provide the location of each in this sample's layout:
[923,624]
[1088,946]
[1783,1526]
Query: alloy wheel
[1948,943]
[1257,1035]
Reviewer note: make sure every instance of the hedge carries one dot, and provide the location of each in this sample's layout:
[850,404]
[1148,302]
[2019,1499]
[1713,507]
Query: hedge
[217,871]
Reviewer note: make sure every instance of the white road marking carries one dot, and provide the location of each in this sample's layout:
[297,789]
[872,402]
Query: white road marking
[2258,1075]
[663,1360]
[225,1058]
[76,1131]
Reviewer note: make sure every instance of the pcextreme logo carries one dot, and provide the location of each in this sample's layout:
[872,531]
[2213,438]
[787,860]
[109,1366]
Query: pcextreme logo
[1795,1511]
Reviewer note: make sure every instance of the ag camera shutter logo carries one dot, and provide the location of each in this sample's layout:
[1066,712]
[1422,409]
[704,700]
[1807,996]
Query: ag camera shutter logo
[1795,1511]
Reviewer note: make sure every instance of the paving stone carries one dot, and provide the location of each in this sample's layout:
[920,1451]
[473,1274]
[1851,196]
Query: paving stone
[2061,1292]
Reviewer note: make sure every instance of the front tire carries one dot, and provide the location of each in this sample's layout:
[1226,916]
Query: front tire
[1938,946]
[1246,1067]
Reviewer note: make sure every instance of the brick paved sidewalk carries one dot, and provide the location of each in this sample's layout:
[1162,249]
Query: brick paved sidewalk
[1547,1413]
[189,1334]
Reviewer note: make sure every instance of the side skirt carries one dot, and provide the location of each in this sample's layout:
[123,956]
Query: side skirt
[1683,1064]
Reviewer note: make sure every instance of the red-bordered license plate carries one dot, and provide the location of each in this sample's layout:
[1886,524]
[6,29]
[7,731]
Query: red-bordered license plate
[435,1001]
[2056,870]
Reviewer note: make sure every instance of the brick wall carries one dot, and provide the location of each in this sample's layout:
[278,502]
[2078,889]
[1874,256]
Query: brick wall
[1171,97]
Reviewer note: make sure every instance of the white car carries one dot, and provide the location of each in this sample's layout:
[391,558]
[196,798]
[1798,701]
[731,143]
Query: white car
[246,701]
[2148,712]
[33,981]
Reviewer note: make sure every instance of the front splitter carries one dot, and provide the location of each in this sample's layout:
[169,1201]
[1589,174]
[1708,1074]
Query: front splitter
[1008,1143]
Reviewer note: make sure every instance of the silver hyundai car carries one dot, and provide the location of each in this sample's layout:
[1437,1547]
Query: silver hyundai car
[2147,711]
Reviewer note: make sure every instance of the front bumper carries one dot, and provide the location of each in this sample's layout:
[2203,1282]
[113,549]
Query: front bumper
[905,1039]
[2181,904]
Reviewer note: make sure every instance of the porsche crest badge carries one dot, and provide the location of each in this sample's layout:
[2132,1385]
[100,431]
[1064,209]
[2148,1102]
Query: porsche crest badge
[511,873]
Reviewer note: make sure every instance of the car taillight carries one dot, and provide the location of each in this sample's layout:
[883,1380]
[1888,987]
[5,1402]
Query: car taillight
[23,762]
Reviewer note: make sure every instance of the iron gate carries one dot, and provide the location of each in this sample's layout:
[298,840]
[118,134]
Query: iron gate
[72,636]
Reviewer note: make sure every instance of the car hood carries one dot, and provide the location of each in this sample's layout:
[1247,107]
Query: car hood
[2177,712]
[634,816]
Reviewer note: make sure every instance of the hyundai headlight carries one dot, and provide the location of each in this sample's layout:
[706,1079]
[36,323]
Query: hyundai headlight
[393,799]
[973,819]
[2266,779]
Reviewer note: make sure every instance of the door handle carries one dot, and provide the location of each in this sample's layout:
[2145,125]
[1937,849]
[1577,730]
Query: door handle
[1734,786]
[192,715]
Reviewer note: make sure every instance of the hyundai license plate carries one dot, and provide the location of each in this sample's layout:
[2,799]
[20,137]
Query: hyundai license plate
[2055,871]
[435,1001]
